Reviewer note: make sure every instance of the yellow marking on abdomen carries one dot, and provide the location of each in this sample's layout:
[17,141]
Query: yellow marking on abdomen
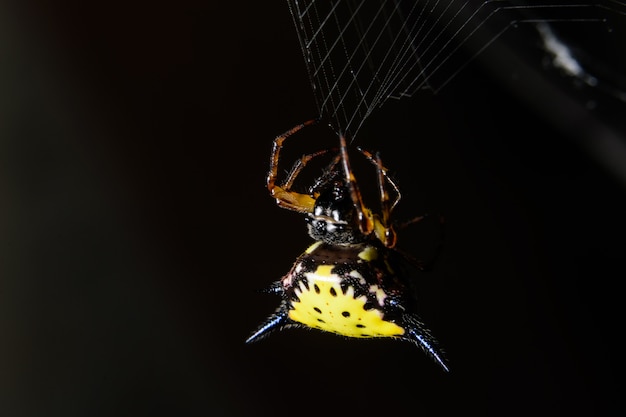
[314,246]
[368,254]
[324,306]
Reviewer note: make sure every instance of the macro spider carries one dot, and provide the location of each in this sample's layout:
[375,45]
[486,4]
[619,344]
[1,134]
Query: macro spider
[352,281]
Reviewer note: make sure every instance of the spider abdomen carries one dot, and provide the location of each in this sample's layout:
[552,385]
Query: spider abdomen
[347,290]
[322,304]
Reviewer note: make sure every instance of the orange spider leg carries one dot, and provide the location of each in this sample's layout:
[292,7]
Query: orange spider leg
[364,216]
[387,235]
[284,196]
[382,227]
[411,221]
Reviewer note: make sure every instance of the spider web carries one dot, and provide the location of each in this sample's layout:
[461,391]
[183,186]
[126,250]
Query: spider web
[360,53]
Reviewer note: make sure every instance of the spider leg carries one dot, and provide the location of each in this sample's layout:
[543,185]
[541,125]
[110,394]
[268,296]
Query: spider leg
[387,235]
[424,265]
[409,222]
[366,225]
[418,334]
[383,228]
[384,195]
[327,175]
[379,166]
[420,265]
[297,167]
[285,197]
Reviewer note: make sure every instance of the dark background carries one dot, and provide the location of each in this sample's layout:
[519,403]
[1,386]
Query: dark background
[135,227]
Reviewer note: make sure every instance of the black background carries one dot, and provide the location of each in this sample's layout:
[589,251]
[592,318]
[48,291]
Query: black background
[136,229]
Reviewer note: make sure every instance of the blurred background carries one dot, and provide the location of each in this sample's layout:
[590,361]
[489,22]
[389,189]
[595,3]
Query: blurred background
[136,230]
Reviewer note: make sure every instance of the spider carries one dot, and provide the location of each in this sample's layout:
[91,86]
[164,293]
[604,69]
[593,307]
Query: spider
[352,280]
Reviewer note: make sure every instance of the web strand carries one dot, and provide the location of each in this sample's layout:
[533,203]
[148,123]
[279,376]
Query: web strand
[361,53]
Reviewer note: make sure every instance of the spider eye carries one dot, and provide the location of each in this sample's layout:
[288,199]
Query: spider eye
[320,225]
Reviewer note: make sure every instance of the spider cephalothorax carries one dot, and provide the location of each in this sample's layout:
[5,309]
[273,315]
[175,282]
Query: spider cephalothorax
[334,219]
[352,281]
